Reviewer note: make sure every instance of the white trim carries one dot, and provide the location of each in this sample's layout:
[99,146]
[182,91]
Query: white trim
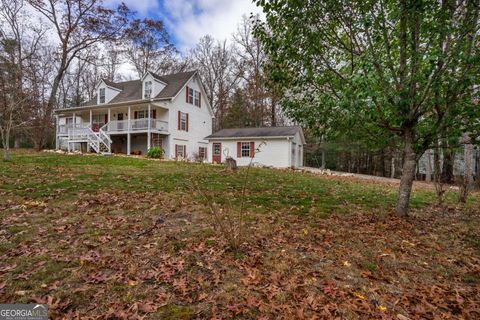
[150,73]
[103,81]
[249,137]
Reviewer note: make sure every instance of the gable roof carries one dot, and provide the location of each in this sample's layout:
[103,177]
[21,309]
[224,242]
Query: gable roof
[262,132]
[175,83]
[112,84]
[132,90]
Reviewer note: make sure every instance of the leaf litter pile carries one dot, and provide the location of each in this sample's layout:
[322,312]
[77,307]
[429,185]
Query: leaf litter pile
[121,254]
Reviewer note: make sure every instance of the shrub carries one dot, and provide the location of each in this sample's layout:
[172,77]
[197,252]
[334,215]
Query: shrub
[228,219]
[155,152]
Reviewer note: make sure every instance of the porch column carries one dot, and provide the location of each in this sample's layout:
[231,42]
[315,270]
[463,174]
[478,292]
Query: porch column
[109,114]
[56,133]
[74,128]
[91,117]
[128,133]
[149,135]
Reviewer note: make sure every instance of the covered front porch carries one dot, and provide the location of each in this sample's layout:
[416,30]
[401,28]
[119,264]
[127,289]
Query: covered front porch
[123,123]
[139,143]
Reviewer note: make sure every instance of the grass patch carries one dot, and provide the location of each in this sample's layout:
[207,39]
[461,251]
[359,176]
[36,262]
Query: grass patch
[85,231]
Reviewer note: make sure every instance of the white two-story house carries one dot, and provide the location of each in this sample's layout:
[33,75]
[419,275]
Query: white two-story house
[168,111]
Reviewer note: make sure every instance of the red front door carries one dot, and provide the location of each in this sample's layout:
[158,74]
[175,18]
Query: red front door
[217,153]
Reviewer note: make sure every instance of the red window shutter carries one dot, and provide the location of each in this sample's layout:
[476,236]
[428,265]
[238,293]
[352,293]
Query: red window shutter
[199,100]
[239,149]
[176,151]
[186,96]
[184,152]
[252,149]
[106,117]
[154,114]
[187,123]
[179,115]
[135,115]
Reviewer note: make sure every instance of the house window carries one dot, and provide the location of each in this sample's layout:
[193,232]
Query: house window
[193,97]
[102,95]
[197,98]
[148,90]
[245,149]
[216,149]
[142,114]
[180,151]
[191,94]
[202,152]
[183,121]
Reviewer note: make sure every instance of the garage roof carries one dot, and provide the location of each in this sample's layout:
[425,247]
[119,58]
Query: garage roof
[262,132]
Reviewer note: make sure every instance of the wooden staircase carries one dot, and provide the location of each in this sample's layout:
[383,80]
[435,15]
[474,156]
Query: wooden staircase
[99,142]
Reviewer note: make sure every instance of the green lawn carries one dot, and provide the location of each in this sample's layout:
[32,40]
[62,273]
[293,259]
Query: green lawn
[82,233]
[40,175]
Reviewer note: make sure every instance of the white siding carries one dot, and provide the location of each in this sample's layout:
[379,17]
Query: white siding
[276,152]
[109,93]
[199,126]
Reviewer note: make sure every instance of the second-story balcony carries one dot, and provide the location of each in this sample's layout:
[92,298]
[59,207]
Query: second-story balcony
[136,125]
[119,127]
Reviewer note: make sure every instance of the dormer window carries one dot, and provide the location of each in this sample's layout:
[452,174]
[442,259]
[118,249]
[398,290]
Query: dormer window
[147,90]
[102,95]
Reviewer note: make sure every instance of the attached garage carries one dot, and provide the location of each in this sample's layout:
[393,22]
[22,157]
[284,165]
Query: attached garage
[280,147]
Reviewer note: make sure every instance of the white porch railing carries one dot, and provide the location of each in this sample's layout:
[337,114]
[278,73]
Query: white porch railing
[99,141]
[135,125]
[69,128]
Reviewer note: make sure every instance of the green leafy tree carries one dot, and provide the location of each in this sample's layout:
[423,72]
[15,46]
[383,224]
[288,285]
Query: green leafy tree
[385,67]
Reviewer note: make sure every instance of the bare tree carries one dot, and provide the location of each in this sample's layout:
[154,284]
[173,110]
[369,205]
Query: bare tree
[219,71]
[19,41]
[263,95]
[147,44]
[79,25]
[111,60]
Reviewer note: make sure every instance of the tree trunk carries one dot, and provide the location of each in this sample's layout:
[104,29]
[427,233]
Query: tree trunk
[478,168]
[467,172]
[408,174]
[437,175]
[392,167]
[447,170]
[323,159]
[428,176]
[6,147]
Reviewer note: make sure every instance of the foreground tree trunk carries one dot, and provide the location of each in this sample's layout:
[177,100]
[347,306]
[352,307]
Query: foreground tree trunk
[468,170]
[447,170]
[408,174]
[6,147]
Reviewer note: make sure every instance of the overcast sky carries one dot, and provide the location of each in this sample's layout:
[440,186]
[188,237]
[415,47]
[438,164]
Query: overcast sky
[189,20]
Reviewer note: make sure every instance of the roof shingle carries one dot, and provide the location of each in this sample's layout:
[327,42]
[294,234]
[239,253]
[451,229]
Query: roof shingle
[287,131]
[132,90]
